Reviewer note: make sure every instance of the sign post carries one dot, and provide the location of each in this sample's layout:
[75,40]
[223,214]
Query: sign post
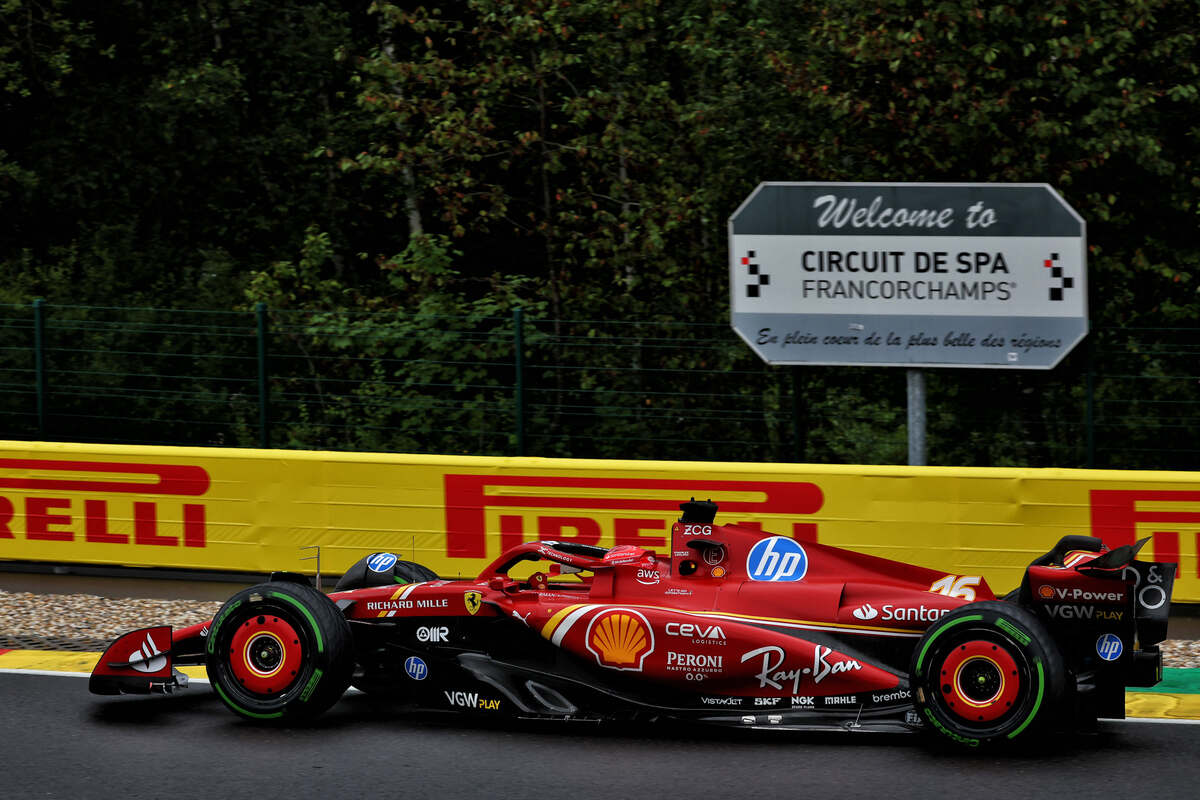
[908,274]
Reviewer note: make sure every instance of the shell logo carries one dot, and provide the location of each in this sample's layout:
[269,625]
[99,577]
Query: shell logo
[620,638]
[1047,592]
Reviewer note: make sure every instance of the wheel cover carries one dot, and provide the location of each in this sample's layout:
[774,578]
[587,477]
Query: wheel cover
[265,654]
[979,681]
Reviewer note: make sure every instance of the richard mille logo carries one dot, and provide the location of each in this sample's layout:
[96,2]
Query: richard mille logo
[757,279]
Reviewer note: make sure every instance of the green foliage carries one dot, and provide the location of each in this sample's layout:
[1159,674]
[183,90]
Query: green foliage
[1099,101]
[392,181]
[164,155]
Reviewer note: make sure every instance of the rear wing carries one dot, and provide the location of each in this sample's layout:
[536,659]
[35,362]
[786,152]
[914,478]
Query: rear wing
[1107,610]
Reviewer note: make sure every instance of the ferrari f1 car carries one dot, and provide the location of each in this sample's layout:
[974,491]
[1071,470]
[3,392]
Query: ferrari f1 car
[732,627]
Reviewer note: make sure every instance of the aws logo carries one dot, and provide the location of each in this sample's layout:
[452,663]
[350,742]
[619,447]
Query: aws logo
[620,638]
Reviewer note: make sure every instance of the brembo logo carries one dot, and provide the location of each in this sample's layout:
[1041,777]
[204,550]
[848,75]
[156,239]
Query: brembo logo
[579,509]
[40,512]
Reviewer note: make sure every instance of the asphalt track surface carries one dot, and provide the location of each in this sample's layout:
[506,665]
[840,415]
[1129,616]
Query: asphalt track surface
[62,742]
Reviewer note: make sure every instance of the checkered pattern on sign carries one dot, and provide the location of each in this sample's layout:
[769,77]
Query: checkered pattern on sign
[1056,292]
[757,279]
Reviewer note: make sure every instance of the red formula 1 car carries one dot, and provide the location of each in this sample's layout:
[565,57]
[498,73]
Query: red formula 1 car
[733,627]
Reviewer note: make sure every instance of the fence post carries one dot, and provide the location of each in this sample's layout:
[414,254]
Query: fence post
[1090,419]
[264,388]
[39,363]
[798,421]
[519,382]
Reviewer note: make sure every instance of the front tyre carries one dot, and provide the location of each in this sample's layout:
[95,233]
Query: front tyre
[279,652]
[986,673]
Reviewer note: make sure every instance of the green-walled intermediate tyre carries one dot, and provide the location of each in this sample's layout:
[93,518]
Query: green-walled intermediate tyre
[987,673]
[279,652]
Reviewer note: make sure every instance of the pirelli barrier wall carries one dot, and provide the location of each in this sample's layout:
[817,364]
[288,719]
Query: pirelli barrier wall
[256,510]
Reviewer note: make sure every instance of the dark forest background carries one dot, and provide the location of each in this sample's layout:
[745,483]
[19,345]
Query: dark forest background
[578,160]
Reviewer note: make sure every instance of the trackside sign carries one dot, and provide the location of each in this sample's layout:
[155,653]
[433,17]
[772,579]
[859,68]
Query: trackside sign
[912,274]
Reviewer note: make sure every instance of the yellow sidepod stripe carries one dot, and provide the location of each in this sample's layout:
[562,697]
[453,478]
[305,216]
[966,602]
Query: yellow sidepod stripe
[400,594]
[553,622]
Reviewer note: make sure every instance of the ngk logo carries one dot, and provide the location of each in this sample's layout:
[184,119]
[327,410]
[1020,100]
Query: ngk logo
[41,513]
[582,509]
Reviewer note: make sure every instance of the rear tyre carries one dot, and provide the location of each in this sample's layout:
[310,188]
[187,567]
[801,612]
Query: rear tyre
[987,673]
[279,652]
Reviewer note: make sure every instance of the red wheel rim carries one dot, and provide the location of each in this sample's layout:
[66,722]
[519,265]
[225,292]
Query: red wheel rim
[265,654]
[980,681]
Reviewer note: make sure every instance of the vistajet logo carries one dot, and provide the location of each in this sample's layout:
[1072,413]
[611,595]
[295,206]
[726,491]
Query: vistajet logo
[69,501]
[578,509]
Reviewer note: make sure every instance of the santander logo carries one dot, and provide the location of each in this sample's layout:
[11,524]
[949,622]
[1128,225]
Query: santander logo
[890,613]
[147,658]
[866,611]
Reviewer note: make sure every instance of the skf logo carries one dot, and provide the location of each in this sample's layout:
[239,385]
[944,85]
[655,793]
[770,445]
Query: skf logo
[473,600]
[620,638]
[40,514]
[566,509]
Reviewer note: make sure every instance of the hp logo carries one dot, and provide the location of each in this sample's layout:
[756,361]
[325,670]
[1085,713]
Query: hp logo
[777,559]
[381,562]
[1109,647]
[416,668]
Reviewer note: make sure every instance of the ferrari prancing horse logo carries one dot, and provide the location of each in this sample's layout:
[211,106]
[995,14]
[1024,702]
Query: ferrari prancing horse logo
[473,600]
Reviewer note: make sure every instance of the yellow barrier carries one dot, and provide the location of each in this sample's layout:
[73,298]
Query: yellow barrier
[254,510]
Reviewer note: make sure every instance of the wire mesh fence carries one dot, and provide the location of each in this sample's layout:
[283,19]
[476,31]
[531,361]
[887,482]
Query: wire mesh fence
[512,385]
